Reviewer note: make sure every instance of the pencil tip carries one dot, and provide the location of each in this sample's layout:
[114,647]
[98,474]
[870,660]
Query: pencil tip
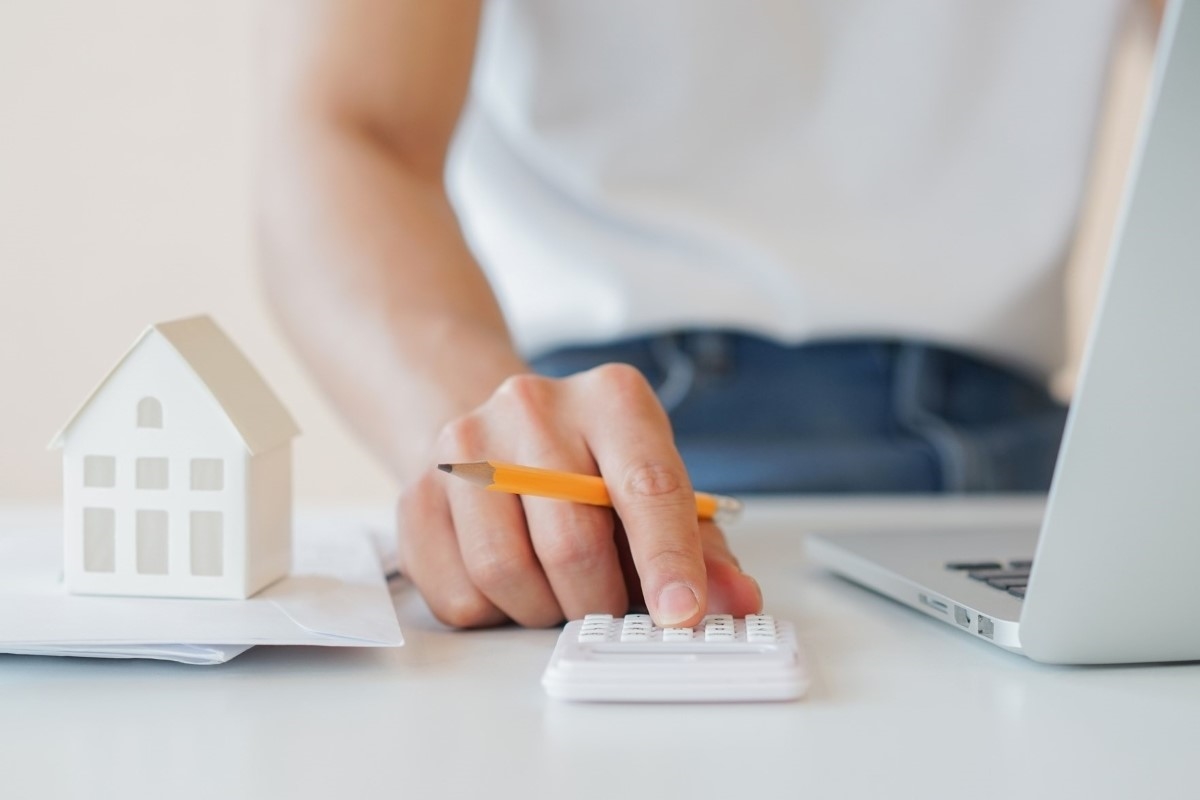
[446,467]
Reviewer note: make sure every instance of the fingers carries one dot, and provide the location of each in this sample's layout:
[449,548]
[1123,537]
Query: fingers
[730,591]
[572,543]
[533,560]
[493,541]
[430,556]
[499,557]
[480,557]
[634,449]
[575,546]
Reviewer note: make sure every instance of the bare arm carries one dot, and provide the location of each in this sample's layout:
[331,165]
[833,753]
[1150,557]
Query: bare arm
[374,283]
[363,256]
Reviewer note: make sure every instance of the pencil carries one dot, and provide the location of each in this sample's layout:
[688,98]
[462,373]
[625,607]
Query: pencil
[496,476]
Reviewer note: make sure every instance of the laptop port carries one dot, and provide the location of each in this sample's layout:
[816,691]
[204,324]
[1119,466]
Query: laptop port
[934,603]
[987,629]
[962,617]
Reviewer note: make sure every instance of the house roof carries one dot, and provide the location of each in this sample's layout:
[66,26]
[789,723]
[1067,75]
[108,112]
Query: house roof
[257,414]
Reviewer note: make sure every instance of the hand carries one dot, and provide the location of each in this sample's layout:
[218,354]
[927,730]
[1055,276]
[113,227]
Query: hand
[482,558]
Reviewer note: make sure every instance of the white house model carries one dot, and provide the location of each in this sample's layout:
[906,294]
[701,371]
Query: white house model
[177,472]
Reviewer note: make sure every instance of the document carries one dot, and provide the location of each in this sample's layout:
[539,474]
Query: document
[337,595]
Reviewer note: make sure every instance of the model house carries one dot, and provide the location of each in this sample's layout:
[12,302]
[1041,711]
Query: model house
[177,472]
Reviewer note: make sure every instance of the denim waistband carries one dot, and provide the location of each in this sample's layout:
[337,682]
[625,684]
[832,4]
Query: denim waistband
[973,416]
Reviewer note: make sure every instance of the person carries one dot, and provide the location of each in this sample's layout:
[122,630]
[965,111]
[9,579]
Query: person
[762,246]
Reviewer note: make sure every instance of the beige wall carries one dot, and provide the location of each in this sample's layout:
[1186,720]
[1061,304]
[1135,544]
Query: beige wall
[125,176]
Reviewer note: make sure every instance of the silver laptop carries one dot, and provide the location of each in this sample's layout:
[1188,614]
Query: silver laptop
[1113,575]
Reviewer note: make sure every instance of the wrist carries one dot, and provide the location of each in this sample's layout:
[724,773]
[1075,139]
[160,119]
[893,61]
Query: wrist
[453,367]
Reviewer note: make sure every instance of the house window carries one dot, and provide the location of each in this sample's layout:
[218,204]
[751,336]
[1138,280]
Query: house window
[100,471]
[208,474]
[151,542]
[206,534]
[99,540]
[149,413]
[151,473]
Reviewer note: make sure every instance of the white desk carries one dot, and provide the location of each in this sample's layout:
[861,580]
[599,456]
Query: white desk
[901,706]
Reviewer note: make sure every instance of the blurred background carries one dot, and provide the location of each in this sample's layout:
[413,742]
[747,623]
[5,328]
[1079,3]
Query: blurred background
[127,152]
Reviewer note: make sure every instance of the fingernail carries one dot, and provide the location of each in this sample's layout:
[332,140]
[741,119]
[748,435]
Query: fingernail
[676,603]
[758,589]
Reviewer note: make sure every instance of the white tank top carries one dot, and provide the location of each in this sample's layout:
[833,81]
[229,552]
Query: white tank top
[798,170]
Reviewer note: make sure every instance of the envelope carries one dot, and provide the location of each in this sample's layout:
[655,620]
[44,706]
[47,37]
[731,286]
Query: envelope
[336,595]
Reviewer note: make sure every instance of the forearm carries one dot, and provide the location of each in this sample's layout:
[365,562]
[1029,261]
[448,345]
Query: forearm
[369,273]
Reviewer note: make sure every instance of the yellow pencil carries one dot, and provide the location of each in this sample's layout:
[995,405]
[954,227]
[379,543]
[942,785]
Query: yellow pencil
[496,476]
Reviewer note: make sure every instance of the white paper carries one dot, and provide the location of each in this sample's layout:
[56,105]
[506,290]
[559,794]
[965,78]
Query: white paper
[336,596]
[183,653]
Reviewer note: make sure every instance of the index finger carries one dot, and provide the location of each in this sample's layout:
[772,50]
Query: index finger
[635,450]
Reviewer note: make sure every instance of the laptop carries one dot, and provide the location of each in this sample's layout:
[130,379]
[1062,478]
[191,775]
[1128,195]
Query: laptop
[1113,574]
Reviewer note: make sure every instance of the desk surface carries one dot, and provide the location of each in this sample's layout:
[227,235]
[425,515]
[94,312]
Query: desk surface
[901,706]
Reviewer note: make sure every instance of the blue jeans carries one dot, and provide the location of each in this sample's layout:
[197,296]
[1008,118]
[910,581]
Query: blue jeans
[753,416]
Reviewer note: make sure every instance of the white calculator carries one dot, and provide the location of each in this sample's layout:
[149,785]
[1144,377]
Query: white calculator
[607,658]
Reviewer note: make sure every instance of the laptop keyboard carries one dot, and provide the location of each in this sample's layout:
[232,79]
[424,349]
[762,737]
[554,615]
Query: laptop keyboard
[1006,576]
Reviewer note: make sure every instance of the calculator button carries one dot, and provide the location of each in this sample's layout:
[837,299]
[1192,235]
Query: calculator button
[636,628]
[719,628]
[677,634]
[595,628]
[760,628]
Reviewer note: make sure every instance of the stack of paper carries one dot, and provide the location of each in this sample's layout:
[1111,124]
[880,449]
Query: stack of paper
[337,595]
